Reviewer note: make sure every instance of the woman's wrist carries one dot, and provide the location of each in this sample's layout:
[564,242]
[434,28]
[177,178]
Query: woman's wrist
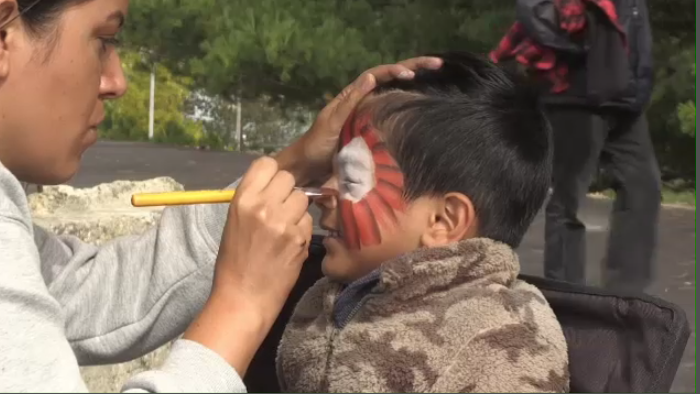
[234,329]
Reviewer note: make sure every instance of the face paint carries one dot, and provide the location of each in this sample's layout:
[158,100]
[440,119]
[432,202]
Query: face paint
[370,183]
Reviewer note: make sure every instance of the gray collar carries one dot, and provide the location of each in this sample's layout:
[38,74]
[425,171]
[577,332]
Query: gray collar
[352,297]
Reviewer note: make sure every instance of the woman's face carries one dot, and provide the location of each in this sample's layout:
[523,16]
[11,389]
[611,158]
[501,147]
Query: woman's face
[53,87]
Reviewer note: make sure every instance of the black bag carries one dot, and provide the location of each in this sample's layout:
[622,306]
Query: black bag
[607,62]
[603,73]
[634,17]
[617,342]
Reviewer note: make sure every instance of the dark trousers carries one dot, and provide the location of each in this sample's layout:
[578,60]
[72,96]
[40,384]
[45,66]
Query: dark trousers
[583,138]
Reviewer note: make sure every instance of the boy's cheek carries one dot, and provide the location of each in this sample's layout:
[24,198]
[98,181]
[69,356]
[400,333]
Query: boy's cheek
[346,266]
[401,238]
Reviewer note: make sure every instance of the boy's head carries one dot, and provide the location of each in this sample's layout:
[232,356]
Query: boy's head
[455,153]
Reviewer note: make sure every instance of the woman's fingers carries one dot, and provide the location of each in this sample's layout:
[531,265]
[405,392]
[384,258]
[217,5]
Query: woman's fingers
[404,69]
[351,96]
[295,207]
[258,176]
[279,188]
[306,226]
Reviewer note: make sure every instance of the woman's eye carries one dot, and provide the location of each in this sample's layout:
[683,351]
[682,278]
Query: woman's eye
[109,42]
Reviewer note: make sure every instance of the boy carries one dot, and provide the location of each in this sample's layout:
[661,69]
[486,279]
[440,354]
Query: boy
[438,179]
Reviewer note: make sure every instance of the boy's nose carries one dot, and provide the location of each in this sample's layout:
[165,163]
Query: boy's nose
[328,202]
[325,202]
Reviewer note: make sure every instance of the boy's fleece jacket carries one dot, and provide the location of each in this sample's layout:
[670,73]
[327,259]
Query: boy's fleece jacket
[452,319]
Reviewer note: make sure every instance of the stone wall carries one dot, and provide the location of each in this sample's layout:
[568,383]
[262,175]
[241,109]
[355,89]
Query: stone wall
[97,215]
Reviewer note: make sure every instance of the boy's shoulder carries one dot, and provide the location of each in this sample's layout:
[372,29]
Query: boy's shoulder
[511,331]
[465,338]
[457,315]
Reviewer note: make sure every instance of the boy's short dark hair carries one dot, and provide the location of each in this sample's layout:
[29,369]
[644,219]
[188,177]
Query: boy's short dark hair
[474,128]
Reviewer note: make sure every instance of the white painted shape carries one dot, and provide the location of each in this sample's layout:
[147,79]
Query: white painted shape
[355,170]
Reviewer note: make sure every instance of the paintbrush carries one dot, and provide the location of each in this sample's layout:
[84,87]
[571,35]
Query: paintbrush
[205,197]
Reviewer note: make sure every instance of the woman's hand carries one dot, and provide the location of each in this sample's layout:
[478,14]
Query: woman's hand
[266,238]
[263,246]
[309,158]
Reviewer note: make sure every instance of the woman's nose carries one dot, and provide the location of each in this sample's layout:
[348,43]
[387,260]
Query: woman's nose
[113,83]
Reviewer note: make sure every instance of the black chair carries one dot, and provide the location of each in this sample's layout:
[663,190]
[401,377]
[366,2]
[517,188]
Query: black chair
[617,342]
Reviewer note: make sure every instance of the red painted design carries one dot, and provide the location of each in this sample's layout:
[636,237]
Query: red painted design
[350,233]
[366,223]
[362,221]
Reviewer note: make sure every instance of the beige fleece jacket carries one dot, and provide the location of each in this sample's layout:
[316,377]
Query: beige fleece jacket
[453,319]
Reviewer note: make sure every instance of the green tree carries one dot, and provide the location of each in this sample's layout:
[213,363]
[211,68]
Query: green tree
[686,114]
[252,48]
[296,54]
[127,118]
[265,126]
[675,84]
[672,108]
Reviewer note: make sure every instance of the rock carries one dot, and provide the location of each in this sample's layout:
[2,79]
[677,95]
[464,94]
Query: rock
[97,215]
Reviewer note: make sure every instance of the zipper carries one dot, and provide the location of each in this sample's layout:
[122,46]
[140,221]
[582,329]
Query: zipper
[632,37]
[337,328]
[355,289]
[331,344]
[325,383]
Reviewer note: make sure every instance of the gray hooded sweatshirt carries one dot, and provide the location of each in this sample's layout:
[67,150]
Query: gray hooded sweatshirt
[64,303]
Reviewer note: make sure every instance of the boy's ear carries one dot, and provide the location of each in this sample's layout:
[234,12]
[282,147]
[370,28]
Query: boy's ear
[453,220]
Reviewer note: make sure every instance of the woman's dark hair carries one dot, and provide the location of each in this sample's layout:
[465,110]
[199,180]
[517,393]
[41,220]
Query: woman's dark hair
[38,15]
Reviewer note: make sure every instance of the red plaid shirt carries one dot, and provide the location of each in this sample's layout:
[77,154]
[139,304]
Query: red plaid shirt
[543,60]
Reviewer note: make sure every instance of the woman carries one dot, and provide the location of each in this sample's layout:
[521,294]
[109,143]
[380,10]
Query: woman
[65,303]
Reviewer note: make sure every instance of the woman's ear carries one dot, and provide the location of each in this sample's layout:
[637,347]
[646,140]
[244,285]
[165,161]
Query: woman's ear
[8,11]
[453,220]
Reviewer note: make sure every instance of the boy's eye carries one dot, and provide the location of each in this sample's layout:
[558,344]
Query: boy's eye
[355,170]
[355,190]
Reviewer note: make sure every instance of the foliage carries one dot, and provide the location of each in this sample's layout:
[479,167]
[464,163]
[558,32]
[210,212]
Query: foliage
[269,128]
[686,114]
[127,118]
[252,48]
[265,126]
[277,48]
[675,84]
[279,55]
[671,112]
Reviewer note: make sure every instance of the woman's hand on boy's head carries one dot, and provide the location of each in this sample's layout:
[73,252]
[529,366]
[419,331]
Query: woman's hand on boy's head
[344,103]
[318,145]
